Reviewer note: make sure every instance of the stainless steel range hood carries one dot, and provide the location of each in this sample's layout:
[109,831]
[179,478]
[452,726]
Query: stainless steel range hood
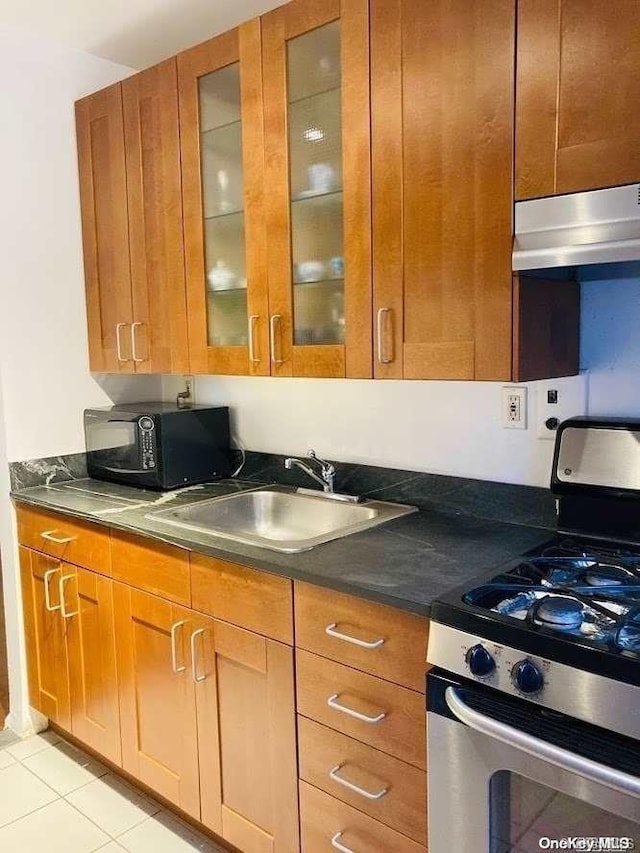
[595,227]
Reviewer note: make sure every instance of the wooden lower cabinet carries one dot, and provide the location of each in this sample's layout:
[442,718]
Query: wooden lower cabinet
[203,711]
[45,632]
[326,822]
[246,720]
[208,720]
[391,791]
[70,636]
[91,651]
[157,696]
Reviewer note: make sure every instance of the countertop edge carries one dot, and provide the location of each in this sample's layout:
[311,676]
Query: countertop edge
[221,553]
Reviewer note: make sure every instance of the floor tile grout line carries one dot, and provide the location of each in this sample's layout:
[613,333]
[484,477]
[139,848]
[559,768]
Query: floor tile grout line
[27,814]
[35,776]
[106,832]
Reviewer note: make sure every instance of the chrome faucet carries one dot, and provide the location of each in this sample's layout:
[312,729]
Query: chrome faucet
[327,471]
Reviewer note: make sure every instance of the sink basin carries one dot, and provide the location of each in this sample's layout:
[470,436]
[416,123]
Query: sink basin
[281,518]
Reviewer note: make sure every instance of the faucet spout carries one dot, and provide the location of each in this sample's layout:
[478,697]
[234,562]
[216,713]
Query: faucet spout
[327,470]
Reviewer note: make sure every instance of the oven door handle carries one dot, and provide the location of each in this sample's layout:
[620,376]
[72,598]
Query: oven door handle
[562,758]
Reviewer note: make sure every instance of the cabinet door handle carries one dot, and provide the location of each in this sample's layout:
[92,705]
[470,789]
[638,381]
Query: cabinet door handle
[275,320]
[64,540]
[194,656]
[331,631]
[119,342]
[382,358]
[63,609]
[47,592]
[365,718]
[335,843]
[174,650]
[369,795]
[134,348]
[253,319]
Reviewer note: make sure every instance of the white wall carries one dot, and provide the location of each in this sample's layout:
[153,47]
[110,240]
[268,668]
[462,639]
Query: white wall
[611,338]
[440,427]
[445,427]
[43,338]
[44,375]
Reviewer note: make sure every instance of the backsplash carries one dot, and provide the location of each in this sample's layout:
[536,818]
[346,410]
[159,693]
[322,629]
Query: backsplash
[528,505]
[500,501]
[52,469]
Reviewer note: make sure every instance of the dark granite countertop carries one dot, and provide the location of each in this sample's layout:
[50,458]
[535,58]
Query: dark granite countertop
[406,563]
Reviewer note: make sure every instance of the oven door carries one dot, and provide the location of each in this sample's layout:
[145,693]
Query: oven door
[506,776]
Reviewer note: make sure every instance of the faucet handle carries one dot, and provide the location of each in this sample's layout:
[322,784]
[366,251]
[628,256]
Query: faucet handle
[327,466]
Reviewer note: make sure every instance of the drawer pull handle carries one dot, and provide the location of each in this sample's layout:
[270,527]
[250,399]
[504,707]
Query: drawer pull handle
[59,540]
[378,795]
[63,609]
[332,703]
[174,650]
[194,656]
[331,631]
[47,592]
[335,843]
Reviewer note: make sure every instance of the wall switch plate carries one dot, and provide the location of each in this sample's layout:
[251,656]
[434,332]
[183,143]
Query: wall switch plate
[514,407]
[557,400]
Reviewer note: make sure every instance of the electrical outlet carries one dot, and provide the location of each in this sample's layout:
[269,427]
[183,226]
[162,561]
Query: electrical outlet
[514,407]
[190,389]
[557,400]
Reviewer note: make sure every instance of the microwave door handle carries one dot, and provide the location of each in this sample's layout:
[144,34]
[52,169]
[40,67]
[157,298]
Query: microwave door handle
[123,470]
[524,742]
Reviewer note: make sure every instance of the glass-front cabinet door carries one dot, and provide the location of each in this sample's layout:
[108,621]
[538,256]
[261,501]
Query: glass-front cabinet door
[317,187]
[221,121]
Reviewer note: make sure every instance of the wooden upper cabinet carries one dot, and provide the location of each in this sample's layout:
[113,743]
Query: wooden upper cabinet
[578,89]
[158,334]
[317,187]
[221,126]
[442,153]
[105,236]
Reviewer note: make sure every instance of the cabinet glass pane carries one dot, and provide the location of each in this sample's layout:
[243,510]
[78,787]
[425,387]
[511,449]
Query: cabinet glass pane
[315,162]
[223,204]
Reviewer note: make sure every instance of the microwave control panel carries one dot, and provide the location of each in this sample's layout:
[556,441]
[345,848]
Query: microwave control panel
[147,443]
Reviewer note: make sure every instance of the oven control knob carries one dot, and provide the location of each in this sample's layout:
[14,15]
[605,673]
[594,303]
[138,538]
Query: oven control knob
[480,661]
[527,677]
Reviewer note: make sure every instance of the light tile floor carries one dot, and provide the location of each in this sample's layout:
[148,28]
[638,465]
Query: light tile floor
[56,799]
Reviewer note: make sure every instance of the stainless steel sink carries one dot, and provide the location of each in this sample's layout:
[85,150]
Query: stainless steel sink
[281,518]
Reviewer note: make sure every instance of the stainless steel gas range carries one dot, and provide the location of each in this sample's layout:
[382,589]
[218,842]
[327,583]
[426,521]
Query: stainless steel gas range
[533,716]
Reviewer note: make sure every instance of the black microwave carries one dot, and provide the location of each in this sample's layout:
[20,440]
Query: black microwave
[157,445]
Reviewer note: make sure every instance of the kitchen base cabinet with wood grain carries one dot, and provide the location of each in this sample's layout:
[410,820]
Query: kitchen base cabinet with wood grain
[68,614]
[181,669]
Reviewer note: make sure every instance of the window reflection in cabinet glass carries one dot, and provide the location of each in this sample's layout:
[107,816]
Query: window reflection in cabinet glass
[315,145]
[223,203]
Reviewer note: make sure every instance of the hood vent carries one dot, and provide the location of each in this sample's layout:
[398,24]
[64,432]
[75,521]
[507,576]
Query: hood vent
[602,226]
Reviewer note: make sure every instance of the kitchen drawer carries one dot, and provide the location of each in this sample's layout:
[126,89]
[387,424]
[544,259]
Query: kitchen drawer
[337,764]
[151,566]
[395,717]
[251,599]
[78,542]
[324,818]
[371,637]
